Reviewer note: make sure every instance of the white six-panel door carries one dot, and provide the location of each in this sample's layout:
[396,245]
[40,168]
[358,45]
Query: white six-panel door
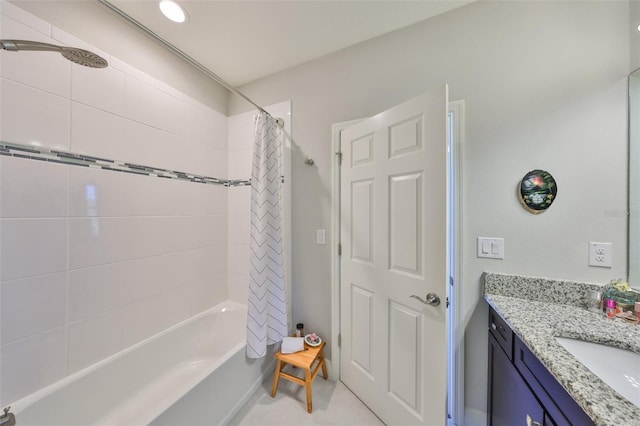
[394,241]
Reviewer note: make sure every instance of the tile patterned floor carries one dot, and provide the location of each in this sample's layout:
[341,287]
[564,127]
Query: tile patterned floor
[333,404]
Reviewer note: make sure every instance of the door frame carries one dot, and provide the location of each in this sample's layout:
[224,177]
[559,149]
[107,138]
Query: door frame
[455,330]
[336,130]
[455,324]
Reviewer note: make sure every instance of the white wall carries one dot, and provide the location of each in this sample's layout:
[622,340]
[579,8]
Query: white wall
[93,261]
[545,87]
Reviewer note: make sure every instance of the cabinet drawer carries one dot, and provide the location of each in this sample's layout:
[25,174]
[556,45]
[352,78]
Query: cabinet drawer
[502,333]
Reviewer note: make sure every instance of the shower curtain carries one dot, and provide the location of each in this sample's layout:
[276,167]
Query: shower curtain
[267,307]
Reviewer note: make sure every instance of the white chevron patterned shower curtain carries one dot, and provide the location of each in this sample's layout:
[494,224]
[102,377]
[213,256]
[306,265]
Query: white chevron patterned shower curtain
[267,304]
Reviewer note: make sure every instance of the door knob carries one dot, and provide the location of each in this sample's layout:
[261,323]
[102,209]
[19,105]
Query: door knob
[432,299]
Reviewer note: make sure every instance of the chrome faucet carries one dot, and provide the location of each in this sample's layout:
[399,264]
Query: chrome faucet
[7,419]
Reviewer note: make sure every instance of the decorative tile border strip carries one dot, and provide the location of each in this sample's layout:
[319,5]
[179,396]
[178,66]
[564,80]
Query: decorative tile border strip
[237,182]
[68,158]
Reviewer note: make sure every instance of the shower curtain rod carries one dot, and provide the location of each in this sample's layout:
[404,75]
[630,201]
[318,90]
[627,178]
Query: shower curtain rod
[184,56]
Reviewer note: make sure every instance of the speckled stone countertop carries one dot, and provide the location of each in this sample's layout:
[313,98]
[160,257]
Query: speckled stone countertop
[538,310]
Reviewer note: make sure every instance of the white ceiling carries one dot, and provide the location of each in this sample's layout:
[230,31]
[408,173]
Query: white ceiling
[242,41]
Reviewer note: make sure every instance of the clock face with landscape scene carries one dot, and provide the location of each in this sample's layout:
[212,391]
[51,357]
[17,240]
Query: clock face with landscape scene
[537,191]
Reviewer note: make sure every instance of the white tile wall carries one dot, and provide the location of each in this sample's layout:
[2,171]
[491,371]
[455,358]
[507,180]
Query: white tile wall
[32,363]
[177,116]
[157,195]
[143,278]
[238,287]
[93,291]
[239,200]
[207,293]
[30,247]
[92,261]
[33,117]
[240,152]
[138,96]
[146,145]
[95,241]
[240,164]
[204,125]
[32,189]
[240,132]
[177,304]
[103,88]
[32,305]
[142,319]
[239,228]
[238,258]
[95,193]
[96,132]
[94,339]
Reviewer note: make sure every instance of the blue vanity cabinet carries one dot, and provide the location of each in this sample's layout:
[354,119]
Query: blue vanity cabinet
[521,388]
[510,399]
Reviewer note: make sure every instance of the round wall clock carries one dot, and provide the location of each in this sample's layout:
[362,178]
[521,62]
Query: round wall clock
[537,191]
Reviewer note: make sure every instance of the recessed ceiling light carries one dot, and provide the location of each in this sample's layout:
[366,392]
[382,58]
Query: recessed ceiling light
[173,11]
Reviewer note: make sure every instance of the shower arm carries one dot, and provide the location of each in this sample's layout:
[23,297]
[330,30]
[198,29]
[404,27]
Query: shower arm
[17,45]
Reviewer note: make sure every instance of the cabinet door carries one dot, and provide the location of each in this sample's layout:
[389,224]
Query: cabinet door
[510,399]
[560,407]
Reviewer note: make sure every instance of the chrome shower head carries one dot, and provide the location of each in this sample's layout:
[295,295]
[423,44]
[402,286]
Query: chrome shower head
[79,56]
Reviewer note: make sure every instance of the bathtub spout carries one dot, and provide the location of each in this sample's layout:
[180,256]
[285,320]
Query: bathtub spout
[7,419]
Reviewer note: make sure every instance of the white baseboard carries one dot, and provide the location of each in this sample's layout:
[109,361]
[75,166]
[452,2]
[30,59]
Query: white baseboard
[333,373]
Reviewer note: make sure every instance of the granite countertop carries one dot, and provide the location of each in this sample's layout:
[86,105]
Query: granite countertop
[538,310]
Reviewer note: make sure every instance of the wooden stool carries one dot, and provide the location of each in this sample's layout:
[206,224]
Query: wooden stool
[303,359]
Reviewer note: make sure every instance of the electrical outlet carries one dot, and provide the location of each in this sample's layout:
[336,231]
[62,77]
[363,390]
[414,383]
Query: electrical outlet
[600,254]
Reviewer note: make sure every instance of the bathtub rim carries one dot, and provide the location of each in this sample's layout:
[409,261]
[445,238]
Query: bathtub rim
[24,403]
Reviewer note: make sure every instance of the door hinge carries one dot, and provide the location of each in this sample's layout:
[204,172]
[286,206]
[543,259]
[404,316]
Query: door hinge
[339,340]
[339,249]
[339,154]
[447,302]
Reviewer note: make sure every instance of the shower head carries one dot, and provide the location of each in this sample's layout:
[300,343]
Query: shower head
[79,56]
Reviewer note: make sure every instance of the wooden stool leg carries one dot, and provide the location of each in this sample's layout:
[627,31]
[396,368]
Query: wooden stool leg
[324,365]
[276,378]
[307,384]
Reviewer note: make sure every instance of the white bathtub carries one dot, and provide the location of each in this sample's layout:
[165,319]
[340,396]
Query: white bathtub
[193,373]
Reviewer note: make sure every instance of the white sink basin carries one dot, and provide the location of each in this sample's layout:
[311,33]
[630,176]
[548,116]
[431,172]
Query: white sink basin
[616,367]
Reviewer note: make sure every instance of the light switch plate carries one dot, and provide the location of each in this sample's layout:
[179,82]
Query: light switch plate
[321,236]
[491,247]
